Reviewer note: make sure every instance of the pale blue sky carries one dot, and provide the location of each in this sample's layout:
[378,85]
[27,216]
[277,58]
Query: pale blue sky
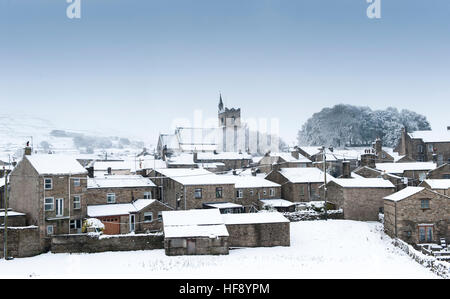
[134,66]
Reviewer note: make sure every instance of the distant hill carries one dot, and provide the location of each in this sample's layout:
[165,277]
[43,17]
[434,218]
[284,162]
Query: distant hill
[17,130]
[344,125]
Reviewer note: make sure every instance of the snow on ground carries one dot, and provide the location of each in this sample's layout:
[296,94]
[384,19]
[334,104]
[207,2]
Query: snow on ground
[319,249]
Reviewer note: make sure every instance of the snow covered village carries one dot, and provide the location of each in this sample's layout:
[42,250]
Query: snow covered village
[225,140]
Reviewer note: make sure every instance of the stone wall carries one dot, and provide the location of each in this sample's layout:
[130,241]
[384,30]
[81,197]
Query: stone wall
[97,196]
[14,221]
[259,234]
[442,172]
[91,243]
[203,246]
[22,241]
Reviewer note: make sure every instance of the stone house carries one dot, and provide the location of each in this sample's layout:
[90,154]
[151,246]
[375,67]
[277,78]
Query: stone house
[251,189]
[111,167]
[281,205]
[299,184]
[185,189]
[257,229]
[140,216]
[414,173]
[441,172]
[440,186]
[426,146]
[368,172]
[417,215]
[49,189]
[195,232]
[360,199]
[114,189]
[229,160]
[275,161]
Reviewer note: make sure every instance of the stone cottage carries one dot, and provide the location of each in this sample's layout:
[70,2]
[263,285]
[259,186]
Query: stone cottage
[417,215]
[361,199]
[49,190]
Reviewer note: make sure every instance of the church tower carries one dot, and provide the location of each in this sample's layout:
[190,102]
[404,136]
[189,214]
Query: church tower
[230,124]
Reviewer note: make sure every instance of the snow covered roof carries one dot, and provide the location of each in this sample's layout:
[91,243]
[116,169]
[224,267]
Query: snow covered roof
[119,181]
[194,223]
[438,183]
[402,194]
[118,209]
[364,183]
[402,167]
[289,158]
[277,202]
[311,150]
[55,164]
[114,165]
[197,176]
[304,175]
[223,205]
[11,213]
[192,217]
[223,156]
[249,181]
[254,218]
[181,159]
[210,231]
[431,136]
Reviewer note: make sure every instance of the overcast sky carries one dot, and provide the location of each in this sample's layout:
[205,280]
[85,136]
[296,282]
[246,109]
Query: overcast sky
[134,65]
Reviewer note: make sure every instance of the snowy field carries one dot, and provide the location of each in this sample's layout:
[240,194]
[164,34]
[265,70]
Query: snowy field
[319,249]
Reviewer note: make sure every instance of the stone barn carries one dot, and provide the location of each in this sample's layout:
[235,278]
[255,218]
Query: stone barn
[195,232]
[264,229]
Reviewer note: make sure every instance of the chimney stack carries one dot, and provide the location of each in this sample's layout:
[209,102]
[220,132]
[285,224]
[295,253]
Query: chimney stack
[27,151]
[378,147]
[346,169]
[368,159]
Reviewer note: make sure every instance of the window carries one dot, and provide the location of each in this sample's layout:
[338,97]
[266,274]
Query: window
[48,184]
[239,193]
[430,148]
[59,205]
[75,224]
[147,195]
[420,148]
[76,182]
[252,192]
[302,190]
[422,176]
[447,176]
[148,216]
[50,230]
[264,192]
[111,198]
[198,193]
[49,204]
[219,192]
[426,234]
[76,202]
[425,203]
[159,216]
[272,192]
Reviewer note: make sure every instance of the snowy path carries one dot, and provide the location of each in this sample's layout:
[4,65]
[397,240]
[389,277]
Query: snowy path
[319,249]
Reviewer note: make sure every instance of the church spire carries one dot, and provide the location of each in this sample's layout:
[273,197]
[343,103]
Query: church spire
[220,103]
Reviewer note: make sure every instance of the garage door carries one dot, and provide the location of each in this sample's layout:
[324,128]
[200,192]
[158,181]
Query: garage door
[112,225]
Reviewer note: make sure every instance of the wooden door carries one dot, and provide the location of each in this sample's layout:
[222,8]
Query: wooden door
[112,225]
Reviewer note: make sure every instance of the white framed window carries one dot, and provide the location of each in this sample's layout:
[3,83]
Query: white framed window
[148,217]
[264,192]
[48,184]
[49,204]
[159,216]
[76,182]
[422,176]
[430,148]
[272,192]
[147,195]
[76,202]
[240,193]
[252,192]
[49,229]
[111,198]
[198,193]
[59,205]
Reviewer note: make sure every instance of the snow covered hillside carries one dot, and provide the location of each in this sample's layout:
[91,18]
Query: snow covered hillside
[319,249]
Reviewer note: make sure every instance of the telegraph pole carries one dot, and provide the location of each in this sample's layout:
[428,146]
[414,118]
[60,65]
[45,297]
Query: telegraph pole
[325,181]
[5,218]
